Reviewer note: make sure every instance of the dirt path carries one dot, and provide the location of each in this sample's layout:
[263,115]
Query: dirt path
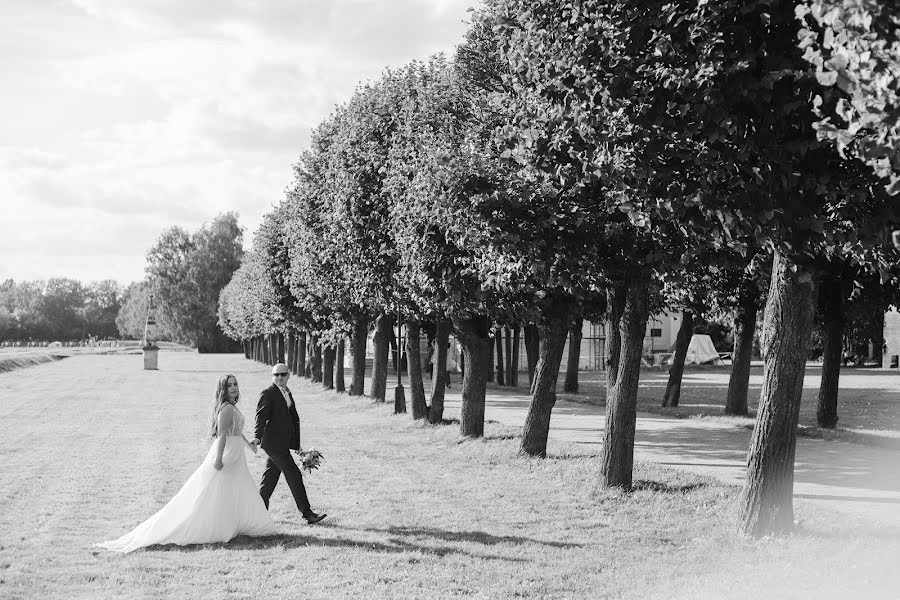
[860,482]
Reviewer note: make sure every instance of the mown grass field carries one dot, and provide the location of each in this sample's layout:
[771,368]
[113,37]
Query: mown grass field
[94,445]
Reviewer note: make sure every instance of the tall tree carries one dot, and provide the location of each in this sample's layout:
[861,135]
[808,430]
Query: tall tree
[62,307]
[247,305]
[188,272]
[448,196]
[102,302]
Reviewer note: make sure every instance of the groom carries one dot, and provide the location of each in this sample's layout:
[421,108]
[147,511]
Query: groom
[278,432]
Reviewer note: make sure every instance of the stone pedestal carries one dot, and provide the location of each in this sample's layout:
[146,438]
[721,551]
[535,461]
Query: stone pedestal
[151,357]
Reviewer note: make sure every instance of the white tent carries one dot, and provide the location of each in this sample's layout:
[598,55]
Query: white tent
[701,350]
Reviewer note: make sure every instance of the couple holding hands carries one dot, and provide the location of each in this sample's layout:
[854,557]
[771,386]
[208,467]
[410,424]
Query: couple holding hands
[219,501]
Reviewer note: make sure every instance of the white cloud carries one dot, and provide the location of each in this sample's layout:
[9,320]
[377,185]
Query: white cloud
[123,118]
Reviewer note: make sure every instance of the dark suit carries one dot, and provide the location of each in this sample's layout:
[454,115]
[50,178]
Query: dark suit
[278,430]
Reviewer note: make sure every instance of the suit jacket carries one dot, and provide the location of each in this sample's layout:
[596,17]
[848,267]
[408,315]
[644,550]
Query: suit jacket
[277,428]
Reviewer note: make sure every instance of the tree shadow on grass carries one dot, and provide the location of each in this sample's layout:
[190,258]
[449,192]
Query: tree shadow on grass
[664,488]
[850,436]
[289,540]
[219,371]
[477,537]
[573,453]
[846,466]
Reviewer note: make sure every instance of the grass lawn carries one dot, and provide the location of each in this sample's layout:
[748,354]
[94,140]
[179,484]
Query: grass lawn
[94,445]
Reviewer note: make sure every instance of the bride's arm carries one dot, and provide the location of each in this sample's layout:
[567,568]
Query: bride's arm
[226,416]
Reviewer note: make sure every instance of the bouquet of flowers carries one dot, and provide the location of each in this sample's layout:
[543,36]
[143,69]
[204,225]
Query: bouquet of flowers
[310,459]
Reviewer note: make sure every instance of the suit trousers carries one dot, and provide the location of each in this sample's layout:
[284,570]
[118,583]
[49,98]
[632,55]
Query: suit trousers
[281,461]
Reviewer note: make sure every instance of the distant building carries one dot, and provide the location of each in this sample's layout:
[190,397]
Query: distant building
[891,339]
[660,336]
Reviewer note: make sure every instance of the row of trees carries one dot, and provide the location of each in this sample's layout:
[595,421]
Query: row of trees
[597,160]
[59,309]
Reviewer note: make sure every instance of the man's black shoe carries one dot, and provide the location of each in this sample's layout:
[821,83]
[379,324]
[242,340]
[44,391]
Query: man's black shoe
[313,518]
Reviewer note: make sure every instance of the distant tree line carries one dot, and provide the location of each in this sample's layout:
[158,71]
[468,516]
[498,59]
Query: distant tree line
[59,309]
[185,273]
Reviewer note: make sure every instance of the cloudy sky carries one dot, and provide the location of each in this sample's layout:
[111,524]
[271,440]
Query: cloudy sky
[119,118]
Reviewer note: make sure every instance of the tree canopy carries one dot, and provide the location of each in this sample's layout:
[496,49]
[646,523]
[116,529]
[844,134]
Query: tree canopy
[187,272]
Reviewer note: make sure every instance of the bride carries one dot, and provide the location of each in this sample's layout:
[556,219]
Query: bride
[219,501]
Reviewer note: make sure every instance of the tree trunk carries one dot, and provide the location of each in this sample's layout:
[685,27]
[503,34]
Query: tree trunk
[537,422]
[358,350]
[498,339]
[339,384]
[273,347]
[570,384]
[316,362]
[291,350]
[507,355]
[767,502]
[512,376]
[439,377]
[399,390]
[301,354]
[289,343]
[676,371]
[414,367]
[310,352]
[489,362]
[280,341]
[473,335]
[744,328]
[628,302]
[832,309]
[395,350]
[532,347]
[328,354]
[380,365]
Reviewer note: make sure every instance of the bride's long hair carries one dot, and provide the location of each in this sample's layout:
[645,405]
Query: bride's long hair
[220,399]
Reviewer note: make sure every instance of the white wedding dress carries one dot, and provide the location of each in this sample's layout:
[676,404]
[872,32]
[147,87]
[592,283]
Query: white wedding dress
[212,506]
